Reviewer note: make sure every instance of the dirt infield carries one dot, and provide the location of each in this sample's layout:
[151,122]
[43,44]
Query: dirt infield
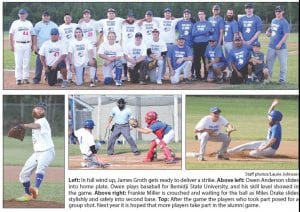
[288,151]
[129,161]
[54,174]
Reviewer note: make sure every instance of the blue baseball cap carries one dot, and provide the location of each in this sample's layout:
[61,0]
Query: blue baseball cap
[181,37]
[211,38]
[23,11]
[168,10]
[150,13]
[41,104]
[130,14]
[256,43]
[215,110]
[54,31]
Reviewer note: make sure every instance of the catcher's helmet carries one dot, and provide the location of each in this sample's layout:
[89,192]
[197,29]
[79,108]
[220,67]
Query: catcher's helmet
[89,124]
[275,115]
[150,117]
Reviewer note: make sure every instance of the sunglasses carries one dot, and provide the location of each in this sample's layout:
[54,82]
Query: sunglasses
[278,11]
[54,34]
[211,41]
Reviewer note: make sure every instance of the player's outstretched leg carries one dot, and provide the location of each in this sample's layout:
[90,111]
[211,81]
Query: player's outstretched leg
[151,151]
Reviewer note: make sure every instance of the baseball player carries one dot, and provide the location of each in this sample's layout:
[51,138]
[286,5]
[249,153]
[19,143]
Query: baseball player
[208,129]
[268,147]
[87,145]
[111,53]
[52,55]
[121,115]
[21,35]
[165,134]
[184,27]
[81,57]
[42,156]
[66,32]
[147,25]
[217,23]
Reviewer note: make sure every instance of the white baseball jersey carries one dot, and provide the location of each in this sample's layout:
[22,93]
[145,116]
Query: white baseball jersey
[66,32]
[110,50]
[52,51]
[22,30]
[80,51]
[207,123]
[157,47]
[41,138]
[146,29]
[134,51]
[167,29]
[114,25]
[85,139]
[128,33]
[90,30]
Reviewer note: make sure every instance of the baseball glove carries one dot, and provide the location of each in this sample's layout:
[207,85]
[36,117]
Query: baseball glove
[17,132]
[133,123]
[152,65]
[230,129]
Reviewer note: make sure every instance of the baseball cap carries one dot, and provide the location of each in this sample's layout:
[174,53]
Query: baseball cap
[155,30]
[67,13]
[279,8]
[181,37]
[86,11]
[216,7]
[46,13]
[111,10]
[23,11]
[211,38]
[237,37]
[54,31]
[149,13]
[122,101]
[41,104]
[248,5]
[138,34]
[215,110]
[168,10]
[130,14]
[256,43]
[186,11]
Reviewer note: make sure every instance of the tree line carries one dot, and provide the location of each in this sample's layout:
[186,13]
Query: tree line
[98,9]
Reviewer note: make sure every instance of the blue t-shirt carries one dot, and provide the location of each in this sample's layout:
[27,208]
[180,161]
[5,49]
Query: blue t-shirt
[158,125]
[184,28]
[175,53]
[240,56]
[43,30]
[275,132]
[215,52]
[231,27]
[217,23]
[279,28]
[201,31]
[121,116]
[248,26]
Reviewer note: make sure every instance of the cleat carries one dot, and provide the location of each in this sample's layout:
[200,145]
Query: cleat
[142,83]
[201,159]
[59,81]
[24,198]
[83,164]
[187,81]
[92,84]
[171,161]
[222,157]
[34,192]
[104,165]
[19,82]
[64,84]
[26,81]
[159,82]
[136,153]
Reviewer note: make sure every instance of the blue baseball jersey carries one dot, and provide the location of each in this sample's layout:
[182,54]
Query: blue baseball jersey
[215,52]
[279,27]
[121,116]
[249,26]
[275,132]
[201,31]
[217,23]
[176,52]
[240,56]
[158,126]
[184,28]
[231,27]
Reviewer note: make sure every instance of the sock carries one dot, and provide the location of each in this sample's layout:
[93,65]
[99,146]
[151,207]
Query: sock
[38,179]
[26,187]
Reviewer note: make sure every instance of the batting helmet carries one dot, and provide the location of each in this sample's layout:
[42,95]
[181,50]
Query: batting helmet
[150,117]
[275,115]
[89,124]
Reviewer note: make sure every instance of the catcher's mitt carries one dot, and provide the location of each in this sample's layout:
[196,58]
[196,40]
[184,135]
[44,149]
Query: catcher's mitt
[152,65]
[17,132]
[133,123]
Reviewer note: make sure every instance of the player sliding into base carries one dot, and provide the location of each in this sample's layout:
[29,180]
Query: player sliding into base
[268,147]
[165,134]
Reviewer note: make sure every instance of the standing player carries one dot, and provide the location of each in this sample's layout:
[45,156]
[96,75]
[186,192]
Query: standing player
[81,58]
[208,129]
[217,23]
[88,147]
[250,25]
[147,25]
[278,33]
[165,134]
[42,156]
[66,32]
[184,28]
[268,147]
[21,35]
[121,115]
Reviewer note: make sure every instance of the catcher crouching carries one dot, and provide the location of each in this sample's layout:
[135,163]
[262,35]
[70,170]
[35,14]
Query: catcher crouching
[164,132]
[42,156]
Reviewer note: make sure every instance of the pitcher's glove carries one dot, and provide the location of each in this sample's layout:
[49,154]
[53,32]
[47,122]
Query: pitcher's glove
[133,123]
[17,132]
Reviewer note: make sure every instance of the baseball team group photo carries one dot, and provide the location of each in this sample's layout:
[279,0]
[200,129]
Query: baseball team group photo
[125,132]
[33,151]
[150,45]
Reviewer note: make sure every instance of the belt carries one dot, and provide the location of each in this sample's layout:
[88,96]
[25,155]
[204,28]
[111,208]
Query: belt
[22,41]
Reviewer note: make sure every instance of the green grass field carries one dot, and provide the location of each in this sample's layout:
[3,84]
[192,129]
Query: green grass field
[292,82]
[249,115]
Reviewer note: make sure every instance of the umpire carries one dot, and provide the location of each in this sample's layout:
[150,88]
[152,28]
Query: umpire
[121,115]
